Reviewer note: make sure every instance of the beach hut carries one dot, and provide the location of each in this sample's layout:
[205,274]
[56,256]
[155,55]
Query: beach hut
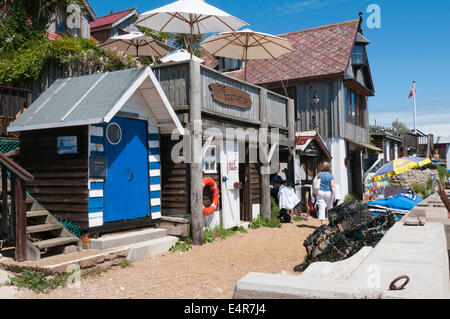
[93,144]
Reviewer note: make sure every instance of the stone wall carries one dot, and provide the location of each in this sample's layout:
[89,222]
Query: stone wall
[411,178]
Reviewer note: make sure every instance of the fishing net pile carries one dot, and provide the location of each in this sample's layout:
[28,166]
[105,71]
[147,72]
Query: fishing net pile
[351,227]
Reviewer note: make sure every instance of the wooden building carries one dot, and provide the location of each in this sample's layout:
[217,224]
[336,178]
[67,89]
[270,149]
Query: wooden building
[92,143]
[224,106]
[114,24]
[328,75]
[118,150]
[391,145]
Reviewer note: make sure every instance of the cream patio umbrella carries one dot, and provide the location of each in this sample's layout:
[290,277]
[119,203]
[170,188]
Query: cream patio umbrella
[247,45]
[137,44]
[189,17]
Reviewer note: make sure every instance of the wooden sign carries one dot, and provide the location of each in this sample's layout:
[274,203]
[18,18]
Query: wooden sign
[229,95]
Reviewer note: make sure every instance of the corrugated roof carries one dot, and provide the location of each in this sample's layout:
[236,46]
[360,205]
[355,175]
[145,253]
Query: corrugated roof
[92,99]
[110,18]
[319,51]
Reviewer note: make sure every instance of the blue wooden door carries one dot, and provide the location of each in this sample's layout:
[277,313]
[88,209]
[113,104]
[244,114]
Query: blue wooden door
[126,187]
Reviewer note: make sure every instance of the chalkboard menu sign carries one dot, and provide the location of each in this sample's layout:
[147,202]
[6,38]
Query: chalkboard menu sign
[97,167]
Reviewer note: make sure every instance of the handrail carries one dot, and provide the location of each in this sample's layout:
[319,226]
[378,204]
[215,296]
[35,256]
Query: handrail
[7,88]
[15,168]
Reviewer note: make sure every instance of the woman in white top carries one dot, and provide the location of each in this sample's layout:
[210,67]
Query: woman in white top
[327,192]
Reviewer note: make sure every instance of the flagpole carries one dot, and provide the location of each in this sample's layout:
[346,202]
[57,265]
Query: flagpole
[414,105]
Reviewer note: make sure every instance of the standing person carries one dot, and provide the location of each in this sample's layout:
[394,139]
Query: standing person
[327,192]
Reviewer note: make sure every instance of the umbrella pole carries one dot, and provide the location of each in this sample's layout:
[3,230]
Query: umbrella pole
[245,70]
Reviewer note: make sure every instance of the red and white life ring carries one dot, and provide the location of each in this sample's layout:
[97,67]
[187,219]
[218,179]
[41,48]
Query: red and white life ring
[207,181]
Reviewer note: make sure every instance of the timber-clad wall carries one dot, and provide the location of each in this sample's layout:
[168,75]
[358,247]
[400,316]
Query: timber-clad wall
[255,184]
[174,181]
[174,80]
[61,181]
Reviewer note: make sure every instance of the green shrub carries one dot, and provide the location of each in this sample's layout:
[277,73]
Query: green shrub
[124,263]
[181,246]
[38,282]
[352,196]
[260,222]
[443,174]
[208,236]
[241,229]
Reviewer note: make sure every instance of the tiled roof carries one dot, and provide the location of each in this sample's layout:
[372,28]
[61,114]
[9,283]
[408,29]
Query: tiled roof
[319,51]
[109,19]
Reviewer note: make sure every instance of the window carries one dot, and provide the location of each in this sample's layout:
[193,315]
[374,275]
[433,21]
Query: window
[226,64]
[210,160]
[358,55]
[355,107]
[114,133]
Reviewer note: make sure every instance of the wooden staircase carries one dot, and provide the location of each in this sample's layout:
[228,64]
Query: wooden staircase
[45,234]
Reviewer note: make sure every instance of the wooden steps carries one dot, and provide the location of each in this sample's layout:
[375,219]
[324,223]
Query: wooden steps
[43,228]
[37,213]
[54,242]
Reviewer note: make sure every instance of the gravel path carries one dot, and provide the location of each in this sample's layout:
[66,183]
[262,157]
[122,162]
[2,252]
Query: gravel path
[208,271]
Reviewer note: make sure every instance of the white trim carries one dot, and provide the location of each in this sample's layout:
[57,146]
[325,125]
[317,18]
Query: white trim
[117,22]
[96,222]
[154,158]
[83,97]
[156,215]
[54,125]
[95,193]
[94,147]
[155,187]
[126,96]
[96,131]
[167,103]
[152,129]
[96,180]
[153,144]
[96,215]
[155,172]
[155,202]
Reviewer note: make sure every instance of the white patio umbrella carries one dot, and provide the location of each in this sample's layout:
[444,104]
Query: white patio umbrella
[178,56]
[137,44]
[189,17]
[247,45]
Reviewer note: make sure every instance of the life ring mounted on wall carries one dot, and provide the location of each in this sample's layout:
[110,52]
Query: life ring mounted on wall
[208,181]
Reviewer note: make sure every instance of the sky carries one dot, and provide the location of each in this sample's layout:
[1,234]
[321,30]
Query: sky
[411,44]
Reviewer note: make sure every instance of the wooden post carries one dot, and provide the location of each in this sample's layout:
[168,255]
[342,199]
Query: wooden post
[195,119]
[4,226]
[265,167]
[291,136]
[21,219]
[429,141]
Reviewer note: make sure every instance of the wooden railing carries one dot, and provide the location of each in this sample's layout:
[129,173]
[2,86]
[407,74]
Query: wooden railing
[12,101]
[14,218]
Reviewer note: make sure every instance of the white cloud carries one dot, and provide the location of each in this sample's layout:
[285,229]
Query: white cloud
[436,122]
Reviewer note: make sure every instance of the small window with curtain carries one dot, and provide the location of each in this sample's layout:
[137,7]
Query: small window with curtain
[210,160]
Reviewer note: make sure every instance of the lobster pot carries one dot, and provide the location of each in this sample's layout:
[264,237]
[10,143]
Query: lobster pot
[94,144]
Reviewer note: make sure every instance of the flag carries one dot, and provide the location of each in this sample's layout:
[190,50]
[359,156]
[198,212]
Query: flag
[412,92]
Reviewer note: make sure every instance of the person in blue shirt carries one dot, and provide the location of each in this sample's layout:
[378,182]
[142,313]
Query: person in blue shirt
[327,192]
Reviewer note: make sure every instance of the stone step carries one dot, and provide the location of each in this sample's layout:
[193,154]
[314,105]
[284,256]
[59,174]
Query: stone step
[127,238]
[54,242]
[43,227]
[151,248]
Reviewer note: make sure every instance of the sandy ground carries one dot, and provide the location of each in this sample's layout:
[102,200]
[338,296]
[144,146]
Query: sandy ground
[205,272]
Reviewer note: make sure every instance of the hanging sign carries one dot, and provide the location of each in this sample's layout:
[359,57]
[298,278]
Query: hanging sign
[67,145]
[229,95]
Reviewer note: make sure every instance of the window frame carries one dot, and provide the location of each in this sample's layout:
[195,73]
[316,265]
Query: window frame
[210,171]
[355,107]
